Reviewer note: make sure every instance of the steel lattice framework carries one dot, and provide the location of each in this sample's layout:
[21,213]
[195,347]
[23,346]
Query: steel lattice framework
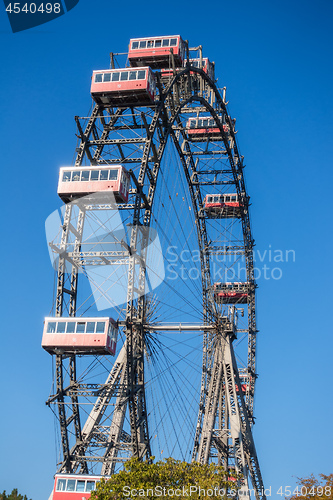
[139,138]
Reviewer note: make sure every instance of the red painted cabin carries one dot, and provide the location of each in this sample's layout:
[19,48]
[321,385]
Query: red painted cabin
[244,382]
[80,335]
[233,474]
[199,129]
[206,65]
[222,205]
[127,87]
[155,51]
[75,182]
[231,293]
[74,486]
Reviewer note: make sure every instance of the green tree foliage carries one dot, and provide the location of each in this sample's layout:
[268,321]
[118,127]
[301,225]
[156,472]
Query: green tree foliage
[162,479]
[312,488]
[14,495]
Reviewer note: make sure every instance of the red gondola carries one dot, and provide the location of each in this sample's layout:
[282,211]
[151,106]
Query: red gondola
[206,65]
[74,486]
[80,335]
[244,381]
[128,87]
[222,205]
[233,474]
[155,51]
[75,182]
[231,293]
[199,129]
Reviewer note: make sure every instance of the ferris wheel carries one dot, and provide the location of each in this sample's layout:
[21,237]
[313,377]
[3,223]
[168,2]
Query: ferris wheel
[153,332]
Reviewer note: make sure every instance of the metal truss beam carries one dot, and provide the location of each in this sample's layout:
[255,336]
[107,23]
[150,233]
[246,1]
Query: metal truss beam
[233,440]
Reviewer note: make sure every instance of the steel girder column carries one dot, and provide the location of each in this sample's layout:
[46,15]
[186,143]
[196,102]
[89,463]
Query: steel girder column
[246,429]
[211,406]
[84,135]
[237,445]
[72,312]
[59,357]
[221,436]
[135,313]
[135,351]
[62,292]
[71,291]
[116,433]
[233,440]
[136,394]
[62,413]
[91,427]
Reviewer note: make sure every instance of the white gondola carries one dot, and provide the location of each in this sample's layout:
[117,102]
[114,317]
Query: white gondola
[75,182]
[80,335]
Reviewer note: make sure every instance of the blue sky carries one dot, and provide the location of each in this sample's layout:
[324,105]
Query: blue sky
[275,59]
